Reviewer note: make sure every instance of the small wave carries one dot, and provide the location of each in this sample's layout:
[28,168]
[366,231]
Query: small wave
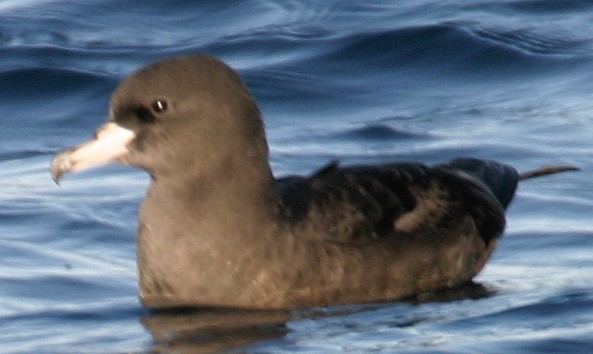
[549,6]
[459,49]
[533,43]
[11,5]
[378,132]
[29,83]
[22,154]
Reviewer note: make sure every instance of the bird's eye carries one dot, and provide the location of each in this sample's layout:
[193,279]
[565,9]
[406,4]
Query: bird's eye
[159,105]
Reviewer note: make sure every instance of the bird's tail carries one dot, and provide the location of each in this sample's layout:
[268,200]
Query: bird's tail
[546,170]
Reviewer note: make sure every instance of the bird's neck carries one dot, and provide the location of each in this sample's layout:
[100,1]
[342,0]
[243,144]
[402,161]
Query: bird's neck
[193,228]
[221,204]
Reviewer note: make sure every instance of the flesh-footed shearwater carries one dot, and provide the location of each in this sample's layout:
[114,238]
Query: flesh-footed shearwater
[217,229]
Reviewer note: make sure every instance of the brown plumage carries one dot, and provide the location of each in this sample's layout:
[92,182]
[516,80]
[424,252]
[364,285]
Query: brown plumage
[216,228]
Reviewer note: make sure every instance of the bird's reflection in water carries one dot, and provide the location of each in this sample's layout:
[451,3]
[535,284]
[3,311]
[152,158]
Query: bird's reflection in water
[216,330]
[213,330]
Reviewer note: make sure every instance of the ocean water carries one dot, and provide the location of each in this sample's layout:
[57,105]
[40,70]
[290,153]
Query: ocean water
[358,81]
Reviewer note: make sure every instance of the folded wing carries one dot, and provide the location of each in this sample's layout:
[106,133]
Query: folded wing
[362,203]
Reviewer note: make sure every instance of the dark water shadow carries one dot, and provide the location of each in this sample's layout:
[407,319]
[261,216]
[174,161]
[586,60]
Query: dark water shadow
[212,330]
[469,290]
[224,330]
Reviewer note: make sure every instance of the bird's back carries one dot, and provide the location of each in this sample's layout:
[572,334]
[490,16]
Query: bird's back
[374,202]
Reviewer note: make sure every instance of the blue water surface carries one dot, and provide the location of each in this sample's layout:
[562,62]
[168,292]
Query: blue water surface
[358,81]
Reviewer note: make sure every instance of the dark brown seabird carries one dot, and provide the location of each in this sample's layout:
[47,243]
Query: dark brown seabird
[217,229]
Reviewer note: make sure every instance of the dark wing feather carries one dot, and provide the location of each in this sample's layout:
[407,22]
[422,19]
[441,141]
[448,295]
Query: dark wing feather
[365,202]
[501,180]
